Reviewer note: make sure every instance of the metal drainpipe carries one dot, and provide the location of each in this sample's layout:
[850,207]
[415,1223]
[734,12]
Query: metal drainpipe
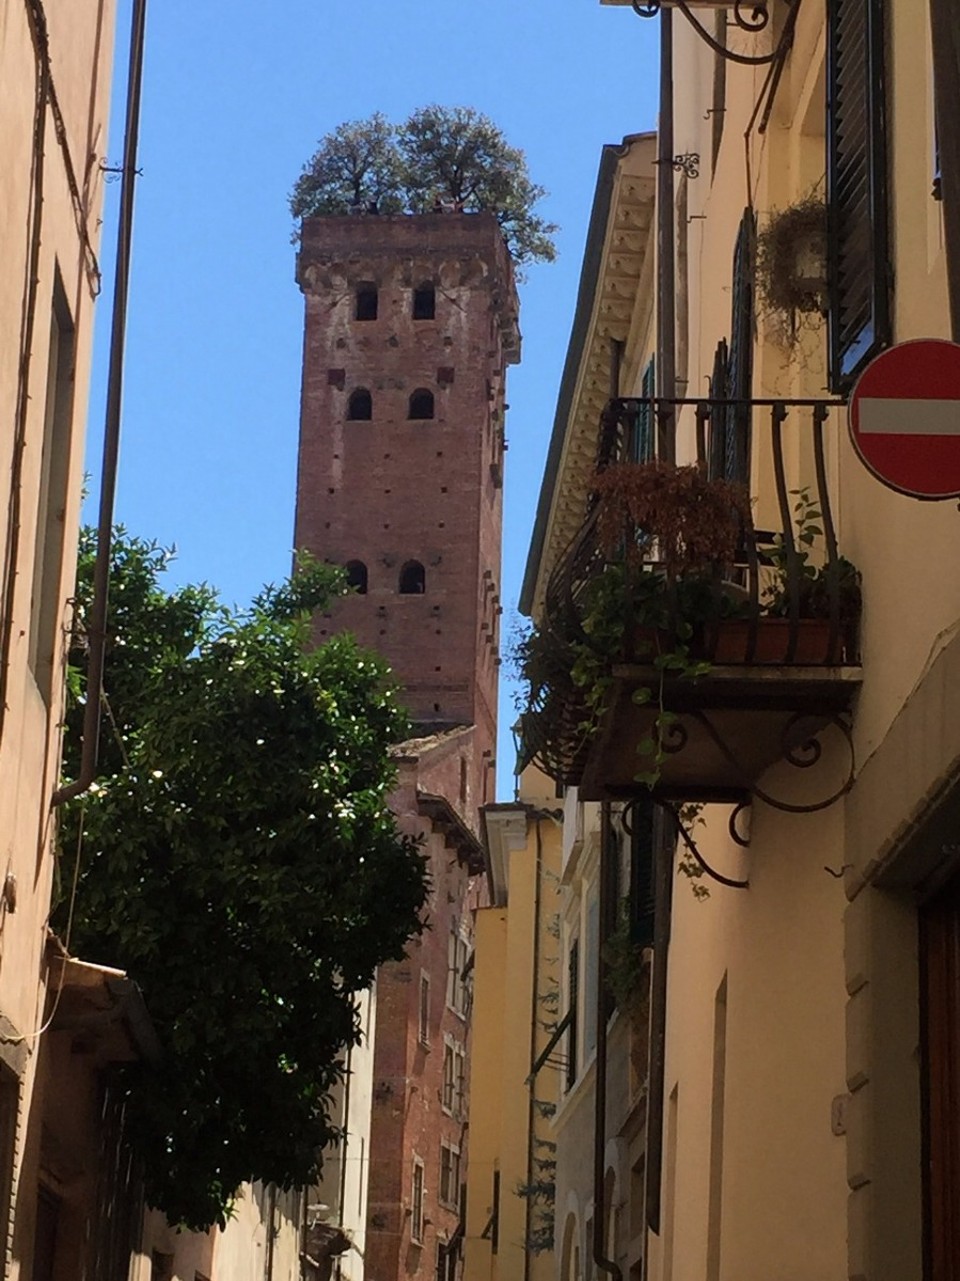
[666,305]
[532,1081]
[606,910]
[946,70]
[97,628]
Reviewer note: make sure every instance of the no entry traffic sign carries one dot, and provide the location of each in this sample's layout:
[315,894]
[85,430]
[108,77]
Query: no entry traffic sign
[905,418]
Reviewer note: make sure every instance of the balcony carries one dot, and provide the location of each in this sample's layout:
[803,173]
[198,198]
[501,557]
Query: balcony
[683,647]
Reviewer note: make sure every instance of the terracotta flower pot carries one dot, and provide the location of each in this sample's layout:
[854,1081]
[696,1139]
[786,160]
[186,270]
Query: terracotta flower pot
[812,646]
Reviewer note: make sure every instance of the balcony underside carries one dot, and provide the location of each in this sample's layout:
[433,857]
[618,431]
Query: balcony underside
[725,729]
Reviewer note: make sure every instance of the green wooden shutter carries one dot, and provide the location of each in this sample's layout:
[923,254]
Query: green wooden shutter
[641,872]
[857,236]
[736,463]
[645,435]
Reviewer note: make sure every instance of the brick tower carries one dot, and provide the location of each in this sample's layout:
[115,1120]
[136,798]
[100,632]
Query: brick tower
[410,323]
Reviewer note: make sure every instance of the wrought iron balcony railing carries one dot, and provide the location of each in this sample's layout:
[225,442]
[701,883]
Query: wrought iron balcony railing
[775,615]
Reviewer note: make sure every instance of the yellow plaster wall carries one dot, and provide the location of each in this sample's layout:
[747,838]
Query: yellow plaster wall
[505,1014]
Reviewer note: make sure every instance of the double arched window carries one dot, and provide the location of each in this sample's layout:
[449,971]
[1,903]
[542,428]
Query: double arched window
[421,404]
[413,579]
[360,406]
[357,576]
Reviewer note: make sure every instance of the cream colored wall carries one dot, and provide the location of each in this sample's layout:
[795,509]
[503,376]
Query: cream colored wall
[81,44]
[237,1252]
[804,1028]
[505,1012]
[343,1187]
[574,1124]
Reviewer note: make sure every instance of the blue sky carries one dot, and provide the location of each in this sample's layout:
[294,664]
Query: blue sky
[235,98]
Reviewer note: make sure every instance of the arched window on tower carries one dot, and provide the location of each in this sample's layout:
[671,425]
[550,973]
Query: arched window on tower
[366,301]
[413,579]
[360,406]
[424,302]
[421,404]
[357,576]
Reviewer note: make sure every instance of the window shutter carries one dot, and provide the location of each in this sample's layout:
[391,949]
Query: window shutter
[736,463]
[641,873]
[573,986]
[857,240]
[643,442]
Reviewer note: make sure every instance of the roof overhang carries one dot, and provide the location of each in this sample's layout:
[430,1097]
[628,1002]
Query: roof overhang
[103,1006]
[613,280]
[454,830]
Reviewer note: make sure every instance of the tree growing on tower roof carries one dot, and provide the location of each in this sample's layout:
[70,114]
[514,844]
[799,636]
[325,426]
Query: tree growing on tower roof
[446,157]
[238,859]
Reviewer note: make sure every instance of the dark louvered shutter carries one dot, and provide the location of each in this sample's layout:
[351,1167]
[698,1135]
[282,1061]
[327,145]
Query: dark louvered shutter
[857,240]
[573,991]
[740,376]
[643,442]
[718,422]
[641,872]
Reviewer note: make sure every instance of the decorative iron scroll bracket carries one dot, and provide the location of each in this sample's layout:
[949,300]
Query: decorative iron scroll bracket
[688,162]
[749,15]
[802,754]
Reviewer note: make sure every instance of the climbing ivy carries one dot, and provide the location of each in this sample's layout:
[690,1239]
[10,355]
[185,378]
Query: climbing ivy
[237,858]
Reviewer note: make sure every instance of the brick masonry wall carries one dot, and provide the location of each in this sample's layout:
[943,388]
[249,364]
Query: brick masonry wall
[385,492]
[392,490]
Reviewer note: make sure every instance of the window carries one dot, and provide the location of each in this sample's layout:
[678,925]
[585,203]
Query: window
[642,443]
[454,1067]
[424,302]
[413,579]
[858,317]
[733,367]
[458,956]
[360,406]
[591,961]
[161,1266]
[9,1108]
[641,873]
[366,302]
[416,1203]
[449,1175]
[573,996]
[423,1032]
[357,576]
[421,404]
[46,608]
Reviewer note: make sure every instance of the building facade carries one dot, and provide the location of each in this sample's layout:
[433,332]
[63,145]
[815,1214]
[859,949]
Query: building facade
[410,324]
[516,1068]
[55,65]
[803,1023]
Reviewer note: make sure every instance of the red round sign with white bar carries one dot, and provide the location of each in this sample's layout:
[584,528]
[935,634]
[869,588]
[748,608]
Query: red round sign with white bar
[905,418]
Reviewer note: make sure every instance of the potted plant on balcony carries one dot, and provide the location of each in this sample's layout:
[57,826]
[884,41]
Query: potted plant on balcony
[791,266]
[816,583]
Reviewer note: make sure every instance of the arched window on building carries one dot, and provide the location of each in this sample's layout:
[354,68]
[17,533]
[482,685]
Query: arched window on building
[360,406]
[413,579]
[424,302]
[357,576]
[366,301]
[421,404]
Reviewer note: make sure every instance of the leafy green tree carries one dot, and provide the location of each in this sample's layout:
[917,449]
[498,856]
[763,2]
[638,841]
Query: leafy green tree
[355,166]
[238,859]
[459,154]
[438,155]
